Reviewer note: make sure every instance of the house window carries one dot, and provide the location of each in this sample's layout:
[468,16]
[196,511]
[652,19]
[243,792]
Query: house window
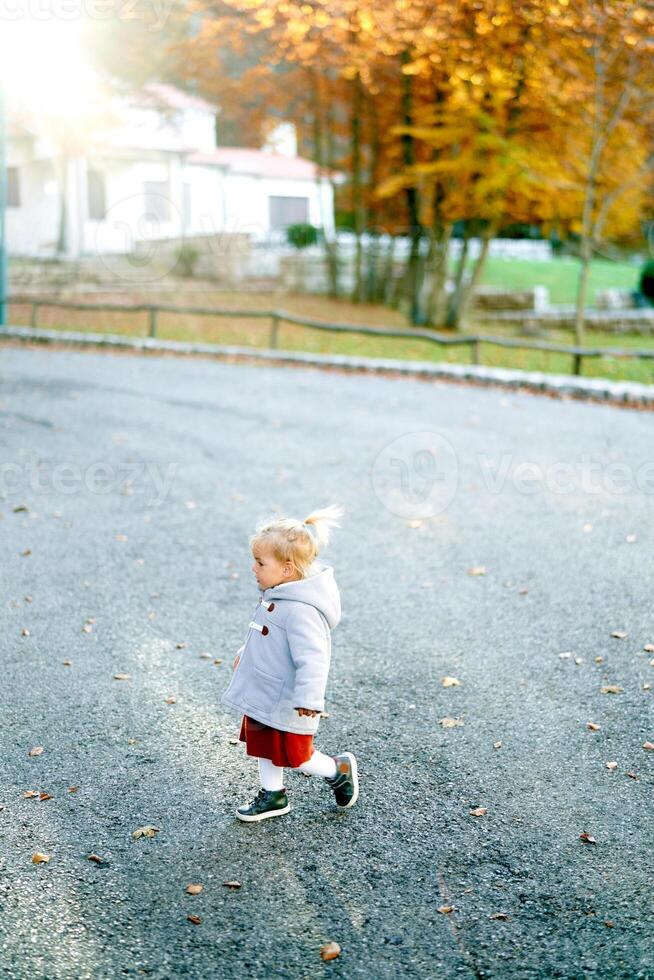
[286,211]
[157,200]
[13,188]
[97,196]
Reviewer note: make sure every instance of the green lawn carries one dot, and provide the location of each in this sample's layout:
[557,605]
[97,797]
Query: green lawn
[560,276]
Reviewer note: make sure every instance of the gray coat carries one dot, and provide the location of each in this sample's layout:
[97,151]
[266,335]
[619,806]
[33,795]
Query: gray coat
[286,655]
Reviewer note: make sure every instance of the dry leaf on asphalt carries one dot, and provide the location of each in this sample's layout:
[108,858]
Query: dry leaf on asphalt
[611,689]
[499,915]
[37,750]
[232,884]
[477,570]
[479,811]
[96,858]
[39,858]
[649,648]
[448,722]
[146,831]
[648,745]
[195,919]
[122,677]
[593,727]
[29,793]
[611,765]
[445,909]
[450,681]
[171,700]
[619,634]
[498,744]
[194,889]
[45,796]
[330,951]
[586,838]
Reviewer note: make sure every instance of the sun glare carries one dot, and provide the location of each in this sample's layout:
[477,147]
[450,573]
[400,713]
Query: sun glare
[43,68]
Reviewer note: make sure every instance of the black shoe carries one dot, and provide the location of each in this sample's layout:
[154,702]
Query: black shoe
[346,781]
[267,803]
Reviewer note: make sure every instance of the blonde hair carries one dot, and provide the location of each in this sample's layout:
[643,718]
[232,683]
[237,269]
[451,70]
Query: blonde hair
[297,541]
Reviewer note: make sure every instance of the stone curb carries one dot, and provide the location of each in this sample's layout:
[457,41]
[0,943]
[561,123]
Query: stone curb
[595,389]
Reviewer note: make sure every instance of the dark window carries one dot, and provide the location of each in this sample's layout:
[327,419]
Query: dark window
[13,188]
[286,211]
[97,196]
[157,200]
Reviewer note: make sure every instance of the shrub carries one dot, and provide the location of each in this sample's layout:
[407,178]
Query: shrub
[187,259]
[301,235]
[647,280]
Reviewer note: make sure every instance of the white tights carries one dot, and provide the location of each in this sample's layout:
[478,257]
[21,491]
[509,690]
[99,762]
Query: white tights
[272,777]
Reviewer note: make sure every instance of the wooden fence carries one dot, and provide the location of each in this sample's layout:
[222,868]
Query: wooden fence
[277,317]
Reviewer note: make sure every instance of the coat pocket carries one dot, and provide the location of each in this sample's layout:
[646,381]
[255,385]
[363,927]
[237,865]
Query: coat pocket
[263,690]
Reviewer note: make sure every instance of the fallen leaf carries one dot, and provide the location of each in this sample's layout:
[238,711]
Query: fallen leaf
[205,656]
[330,951]
[445,909]
[608,923]
[194,889]
[448,722]
[28,598]
[24,554]
[619,634]
[497,745]
[450,681]
[647,686]
[67,663]
[648,745]
[122,677]
[121,537]
[565,655]
[37,750]
[477,570]
[586,838]
[73,789]
[45,796]
[96,858]
[593,727]
[478,811]
[416,523]
[234,741]
[195,919]
[631,538]
[588,527]
[599,660]
[19,508]
[180,646]
[39,858]
[649,648]
[232,884]
[87,628]
[632,775]
[29,793]
[614,765]
[523,591]
[24,632]
[146,831]
[499,915]
[611,689]
[171,700]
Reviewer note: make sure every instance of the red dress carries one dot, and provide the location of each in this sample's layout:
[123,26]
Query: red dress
[282,748]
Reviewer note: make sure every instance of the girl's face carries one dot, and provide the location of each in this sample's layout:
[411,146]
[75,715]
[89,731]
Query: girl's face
[269,571]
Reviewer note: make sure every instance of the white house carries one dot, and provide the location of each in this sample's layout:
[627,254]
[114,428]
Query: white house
[154,171]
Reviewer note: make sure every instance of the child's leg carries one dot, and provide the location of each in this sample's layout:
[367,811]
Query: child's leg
[319,765]
[271,776]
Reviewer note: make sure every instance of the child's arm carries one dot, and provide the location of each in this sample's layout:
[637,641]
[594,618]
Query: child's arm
[308,640]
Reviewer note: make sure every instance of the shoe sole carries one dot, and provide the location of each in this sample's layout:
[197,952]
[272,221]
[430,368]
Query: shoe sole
[263,816]
[355,780]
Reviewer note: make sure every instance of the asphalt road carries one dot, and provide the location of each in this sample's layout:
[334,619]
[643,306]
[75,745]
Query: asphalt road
[142,478]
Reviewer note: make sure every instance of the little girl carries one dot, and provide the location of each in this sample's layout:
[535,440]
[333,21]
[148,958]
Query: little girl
[280,672]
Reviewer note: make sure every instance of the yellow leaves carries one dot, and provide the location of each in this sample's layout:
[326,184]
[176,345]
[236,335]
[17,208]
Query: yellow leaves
[40,858]
[147,831]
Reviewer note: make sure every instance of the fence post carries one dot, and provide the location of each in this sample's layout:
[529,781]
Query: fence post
[474,351]
[274,330]
[152,316]
[34,315]
[576,364]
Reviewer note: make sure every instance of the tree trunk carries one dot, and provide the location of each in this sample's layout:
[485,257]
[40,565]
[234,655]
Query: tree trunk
[439,252]
[357,195]
[582,291]
[469,287]
[62,234]
[412,279]
[450,320]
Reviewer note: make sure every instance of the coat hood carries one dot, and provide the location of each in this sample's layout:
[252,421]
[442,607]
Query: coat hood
[319,589]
